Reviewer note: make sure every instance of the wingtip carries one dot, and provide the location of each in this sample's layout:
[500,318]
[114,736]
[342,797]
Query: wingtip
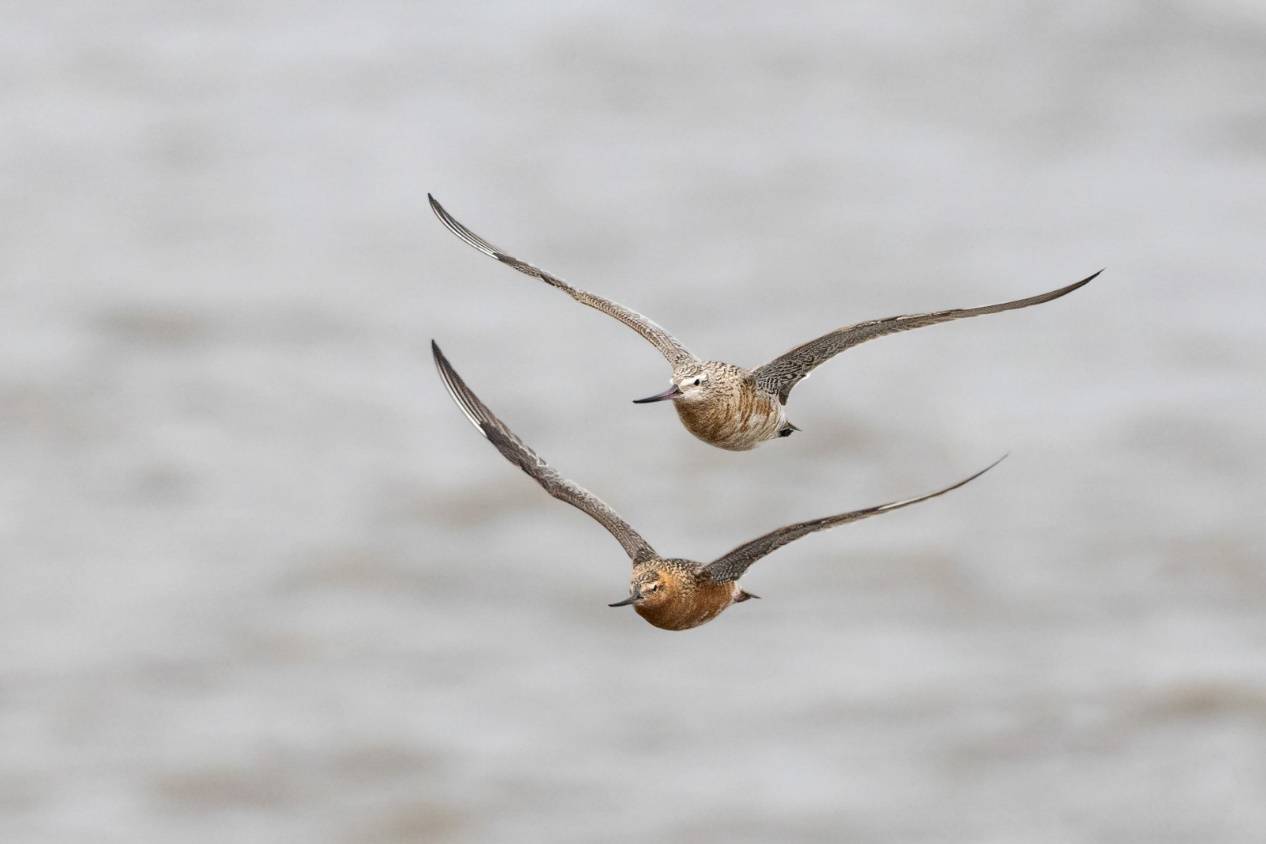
[441,361]
[1004,456]
[976,475]
[461,395]
[1076,285]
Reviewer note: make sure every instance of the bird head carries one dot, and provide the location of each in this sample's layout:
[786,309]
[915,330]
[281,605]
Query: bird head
[691,382]
[648,587]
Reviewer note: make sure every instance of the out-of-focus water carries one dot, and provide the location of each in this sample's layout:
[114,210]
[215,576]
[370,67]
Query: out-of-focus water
[262,582]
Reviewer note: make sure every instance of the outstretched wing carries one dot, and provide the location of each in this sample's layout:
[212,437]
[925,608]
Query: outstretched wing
[513,449]
[782,373]
[733,564]
[667,344]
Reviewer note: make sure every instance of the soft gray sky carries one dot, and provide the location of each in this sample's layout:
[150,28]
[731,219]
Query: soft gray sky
[262,582]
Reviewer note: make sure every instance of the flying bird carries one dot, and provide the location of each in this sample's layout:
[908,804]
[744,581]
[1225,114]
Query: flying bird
[670,593]
[730,406]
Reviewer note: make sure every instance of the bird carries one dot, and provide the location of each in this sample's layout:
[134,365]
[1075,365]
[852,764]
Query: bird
[726,405]
[669,593]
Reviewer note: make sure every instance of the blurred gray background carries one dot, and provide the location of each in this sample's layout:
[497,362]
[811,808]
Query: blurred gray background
[261,581]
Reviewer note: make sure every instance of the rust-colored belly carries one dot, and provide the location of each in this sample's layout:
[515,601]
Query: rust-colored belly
[738,421]
[699,606]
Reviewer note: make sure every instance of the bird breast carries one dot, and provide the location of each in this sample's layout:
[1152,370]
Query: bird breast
[692,607]
[735,416]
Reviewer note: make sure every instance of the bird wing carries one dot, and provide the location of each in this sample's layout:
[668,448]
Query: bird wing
[668,345]
[514,450]
[732,565]
[782,373]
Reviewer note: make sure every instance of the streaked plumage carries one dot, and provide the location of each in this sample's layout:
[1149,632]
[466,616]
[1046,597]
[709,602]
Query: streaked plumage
[729,406]
[670,593]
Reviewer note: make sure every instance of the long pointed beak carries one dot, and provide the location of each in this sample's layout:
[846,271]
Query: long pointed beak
[671,393]
[629,600]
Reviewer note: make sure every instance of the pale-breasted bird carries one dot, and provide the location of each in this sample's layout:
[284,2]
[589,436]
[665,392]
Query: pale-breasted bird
[729,406]
[670,593]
